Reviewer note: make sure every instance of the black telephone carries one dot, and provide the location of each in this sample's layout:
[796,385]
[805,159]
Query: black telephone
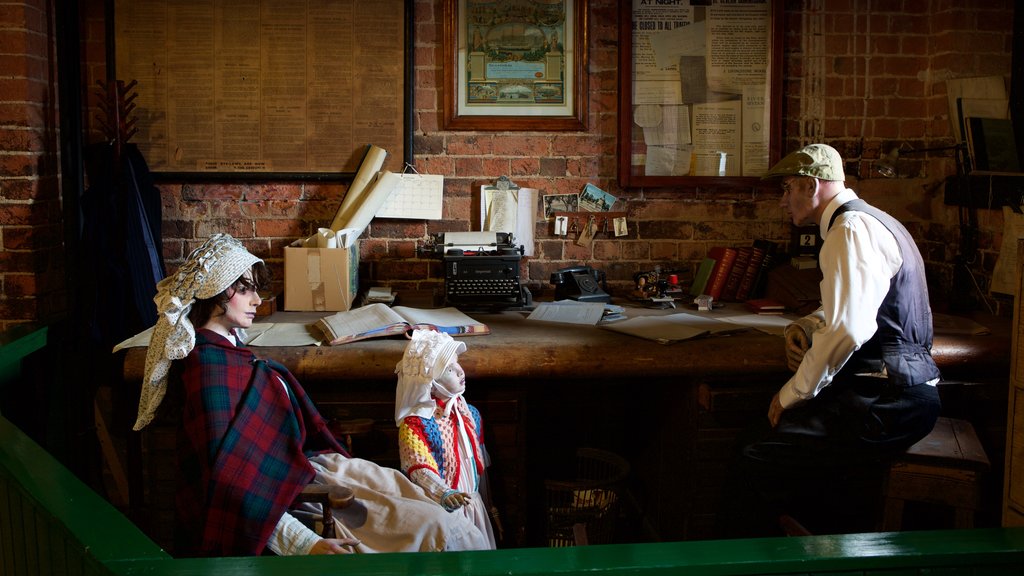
[581,283]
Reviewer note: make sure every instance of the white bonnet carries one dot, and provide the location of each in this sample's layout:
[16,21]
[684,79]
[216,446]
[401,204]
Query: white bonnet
[209,270]
[425,359]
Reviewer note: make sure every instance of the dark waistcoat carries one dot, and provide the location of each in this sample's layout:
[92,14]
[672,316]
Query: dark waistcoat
[903,341]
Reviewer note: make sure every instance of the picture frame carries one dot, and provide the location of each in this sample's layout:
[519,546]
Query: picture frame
[520,70]
[701,89]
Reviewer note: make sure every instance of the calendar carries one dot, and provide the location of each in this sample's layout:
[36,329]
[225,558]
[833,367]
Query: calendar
[417,196]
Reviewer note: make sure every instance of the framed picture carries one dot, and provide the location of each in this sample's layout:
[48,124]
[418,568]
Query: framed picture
[700,91]
[515,65]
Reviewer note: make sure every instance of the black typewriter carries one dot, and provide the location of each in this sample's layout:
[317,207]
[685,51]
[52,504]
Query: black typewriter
[481,270]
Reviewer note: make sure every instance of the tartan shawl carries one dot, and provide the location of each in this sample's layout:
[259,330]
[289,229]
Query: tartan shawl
[243,448]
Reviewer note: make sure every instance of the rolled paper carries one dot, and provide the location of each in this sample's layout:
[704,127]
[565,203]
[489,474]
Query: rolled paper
[371,164]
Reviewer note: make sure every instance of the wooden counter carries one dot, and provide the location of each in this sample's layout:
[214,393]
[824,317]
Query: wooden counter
[517,348]
[545,389]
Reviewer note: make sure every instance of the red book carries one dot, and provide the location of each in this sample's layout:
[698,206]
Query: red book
[724,257]
[736,273]
[750,274]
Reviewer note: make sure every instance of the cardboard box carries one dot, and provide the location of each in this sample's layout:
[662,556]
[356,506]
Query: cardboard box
[320,279]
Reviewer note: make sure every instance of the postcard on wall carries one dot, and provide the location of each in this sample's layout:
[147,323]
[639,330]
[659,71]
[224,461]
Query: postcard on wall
[593,199]
[560,203]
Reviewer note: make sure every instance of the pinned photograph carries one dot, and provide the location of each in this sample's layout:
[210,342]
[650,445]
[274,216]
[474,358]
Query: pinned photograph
[560,203]
[593,199]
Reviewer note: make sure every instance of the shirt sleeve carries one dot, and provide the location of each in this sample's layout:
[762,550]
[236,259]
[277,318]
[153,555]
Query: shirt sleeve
[291,537]
[858,260]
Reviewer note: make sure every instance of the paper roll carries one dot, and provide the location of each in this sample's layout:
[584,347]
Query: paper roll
[371,164]
[325,238]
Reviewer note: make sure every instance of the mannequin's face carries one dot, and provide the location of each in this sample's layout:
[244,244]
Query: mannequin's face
[453,379]
[799,199]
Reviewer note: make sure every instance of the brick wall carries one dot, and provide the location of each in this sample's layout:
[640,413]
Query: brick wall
[862,80]
[31,233]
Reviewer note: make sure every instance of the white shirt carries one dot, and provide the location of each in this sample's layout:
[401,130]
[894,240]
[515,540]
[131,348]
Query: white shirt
[858,259]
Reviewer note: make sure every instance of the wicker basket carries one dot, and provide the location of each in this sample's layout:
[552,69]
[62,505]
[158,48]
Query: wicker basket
[592,498]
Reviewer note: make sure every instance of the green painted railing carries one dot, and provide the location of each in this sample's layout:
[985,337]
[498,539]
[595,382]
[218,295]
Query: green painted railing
[52,523]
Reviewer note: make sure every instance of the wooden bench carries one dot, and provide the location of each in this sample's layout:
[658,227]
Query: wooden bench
[946,468]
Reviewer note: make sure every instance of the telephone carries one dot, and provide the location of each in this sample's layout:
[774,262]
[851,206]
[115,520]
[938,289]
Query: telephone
[580,283]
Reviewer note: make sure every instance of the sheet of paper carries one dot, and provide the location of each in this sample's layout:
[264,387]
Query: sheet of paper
[716,130]
[774,324]
[1004,276]
[416,196]
[989,87]
[139,340]
[568,312]
[513,210]
[283,334]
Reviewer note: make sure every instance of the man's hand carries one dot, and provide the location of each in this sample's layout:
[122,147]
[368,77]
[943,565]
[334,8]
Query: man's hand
[455,500]
[775,410]
[796,345]
[334,546]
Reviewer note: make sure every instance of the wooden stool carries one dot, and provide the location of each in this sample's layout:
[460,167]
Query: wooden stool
[945,467]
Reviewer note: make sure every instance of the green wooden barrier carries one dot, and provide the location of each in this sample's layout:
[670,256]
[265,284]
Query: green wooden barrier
[52,523]
[15,344]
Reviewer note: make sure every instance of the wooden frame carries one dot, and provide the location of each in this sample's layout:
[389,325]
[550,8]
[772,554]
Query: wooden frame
[685,117]
[216,102]
[557,92]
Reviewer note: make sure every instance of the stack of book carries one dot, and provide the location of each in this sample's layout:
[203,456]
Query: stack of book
[734,274]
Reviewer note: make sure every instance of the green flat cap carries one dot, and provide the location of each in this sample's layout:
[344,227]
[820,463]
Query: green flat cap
[817,160]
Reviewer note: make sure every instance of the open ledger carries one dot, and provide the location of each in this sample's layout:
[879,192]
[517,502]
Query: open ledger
[379,320]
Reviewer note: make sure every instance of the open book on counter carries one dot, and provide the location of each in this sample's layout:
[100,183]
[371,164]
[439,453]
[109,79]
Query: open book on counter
[379,320]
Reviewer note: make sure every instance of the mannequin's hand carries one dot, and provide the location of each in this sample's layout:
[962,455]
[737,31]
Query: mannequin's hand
[455,500]
[796,345]
[775,410]
[334,546]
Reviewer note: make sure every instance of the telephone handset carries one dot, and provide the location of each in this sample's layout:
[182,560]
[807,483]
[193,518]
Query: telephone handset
[581,283]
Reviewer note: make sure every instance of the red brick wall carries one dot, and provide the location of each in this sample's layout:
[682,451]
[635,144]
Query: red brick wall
[31,234]
[862,80]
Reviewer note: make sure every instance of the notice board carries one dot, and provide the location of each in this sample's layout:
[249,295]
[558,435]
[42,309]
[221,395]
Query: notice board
[266,87]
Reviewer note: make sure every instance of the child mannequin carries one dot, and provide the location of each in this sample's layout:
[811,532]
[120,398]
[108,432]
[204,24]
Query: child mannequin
[440,440]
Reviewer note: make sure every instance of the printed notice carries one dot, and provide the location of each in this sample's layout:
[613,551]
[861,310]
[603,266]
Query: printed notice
[253,86]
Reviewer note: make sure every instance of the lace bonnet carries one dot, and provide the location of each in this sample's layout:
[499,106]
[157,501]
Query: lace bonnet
[426,357]
[208,271]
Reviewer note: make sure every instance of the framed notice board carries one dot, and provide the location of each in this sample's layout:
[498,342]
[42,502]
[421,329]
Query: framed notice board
[701,90]
[267,88]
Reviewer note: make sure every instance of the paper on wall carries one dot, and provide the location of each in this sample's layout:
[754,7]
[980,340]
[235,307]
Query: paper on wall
[1005,272]
[512,210]
[418,196]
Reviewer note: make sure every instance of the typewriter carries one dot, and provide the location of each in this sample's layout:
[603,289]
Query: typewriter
[481,270]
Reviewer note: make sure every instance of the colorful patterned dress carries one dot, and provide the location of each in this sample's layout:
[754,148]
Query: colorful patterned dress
[443,454]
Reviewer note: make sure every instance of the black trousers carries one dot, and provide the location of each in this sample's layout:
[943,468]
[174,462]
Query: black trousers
[823,462]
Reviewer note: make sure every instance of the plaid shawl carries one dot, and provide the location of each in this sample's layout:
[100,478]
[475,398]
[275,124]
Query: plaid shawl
[243,448]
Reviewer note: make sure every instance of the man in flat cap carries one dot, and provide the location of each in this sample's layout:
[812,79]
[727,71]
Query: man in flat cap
[864,379]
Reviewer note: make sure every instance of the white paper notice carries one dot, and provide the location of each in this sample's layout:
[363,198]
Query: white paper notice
[513,210]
